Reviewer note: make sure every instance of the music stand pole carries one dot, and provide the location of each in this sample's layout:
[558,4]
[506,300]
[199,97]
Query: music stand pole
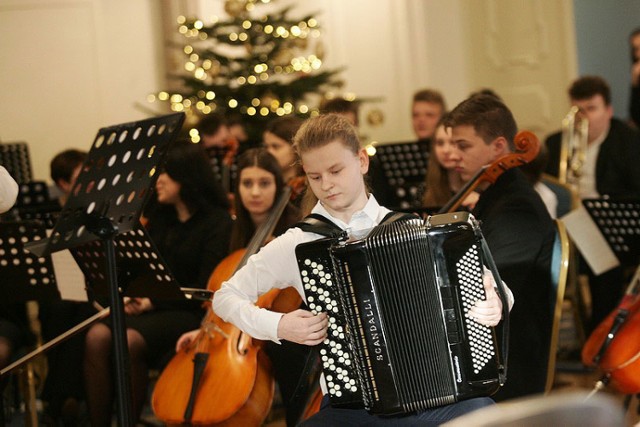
[106,231]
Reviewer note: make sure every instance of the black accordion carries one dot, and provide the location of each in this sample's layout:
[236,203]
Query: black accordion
[399,340]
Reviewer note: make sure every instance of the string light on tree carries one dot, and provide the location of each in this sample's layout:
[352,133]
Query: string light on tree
[257,52]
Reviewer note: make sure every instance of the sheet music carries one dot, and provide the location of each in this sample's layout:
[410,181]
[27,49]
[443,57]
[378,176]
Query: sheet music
[590,241]
[69,277]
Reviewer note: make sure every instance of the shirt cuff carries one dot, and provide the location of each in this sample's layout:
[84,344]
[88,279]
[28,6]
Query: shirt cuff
[270,320]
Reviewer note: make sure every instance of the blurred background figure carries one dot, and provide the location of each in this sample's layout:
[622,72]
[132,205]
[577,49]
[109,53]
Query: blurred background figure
[277,138]
[64,170]
[609,169]
[213,131]
[442,180]
[427,109]
[348,109]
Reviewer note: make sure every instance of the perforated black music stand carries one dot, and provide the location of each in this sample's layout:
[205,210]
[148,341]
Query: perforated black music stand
[141,270]
[226,174]
[405,167]
[25,277]
[106,200]
[34,203]
[15,158]
[619,222]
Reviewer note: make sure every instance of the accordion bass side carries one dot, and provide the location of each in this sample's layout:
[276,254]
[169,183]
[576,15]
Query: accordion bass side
[399,339]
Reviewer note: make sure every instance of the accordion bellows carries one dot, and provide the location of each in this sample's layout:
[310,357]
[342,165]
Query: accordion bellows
[399,339]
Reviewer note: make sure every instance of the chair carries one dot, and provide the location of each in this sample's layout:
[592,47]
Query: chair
[559,274]
[576,291]
[567,198]
[563,409]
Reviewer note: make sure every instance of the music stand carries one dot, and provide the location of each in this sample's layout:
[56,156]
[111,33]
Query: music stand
[141,269]
[107,199]
[15,158]
[405,167]
[25,276]
[34,203]
[226,174]
[619,222]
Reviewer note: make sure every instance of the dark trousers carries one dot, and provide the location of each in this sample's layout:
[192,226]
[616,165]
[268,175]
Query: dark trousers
[330,416]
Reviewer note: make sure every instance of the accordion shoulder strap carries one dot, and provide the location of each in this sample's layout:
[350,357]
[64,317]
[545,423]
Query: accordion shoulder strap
[316,223]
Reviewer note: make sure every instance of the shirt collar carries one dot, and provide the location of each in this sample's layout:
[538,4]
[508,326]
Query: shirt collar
[371,212]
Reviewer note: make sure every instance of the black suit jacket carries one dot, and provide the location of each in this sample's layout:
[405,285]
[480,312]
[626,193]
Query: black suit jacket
[520,233]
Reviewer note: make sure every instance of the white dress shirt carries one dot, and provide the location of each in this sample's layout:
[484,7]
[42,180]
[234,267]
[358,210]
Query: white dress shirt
[8,190]
[587,184]
[275,266]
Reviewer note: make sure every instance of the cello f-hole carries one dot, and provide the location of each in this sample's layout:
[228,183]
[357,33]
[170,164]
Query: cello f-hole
[243,343]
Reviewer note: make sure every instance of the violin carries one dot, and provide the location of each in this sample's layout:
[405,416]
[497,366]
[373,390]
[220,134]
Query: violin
[527,148]
[614,346]
[224,378]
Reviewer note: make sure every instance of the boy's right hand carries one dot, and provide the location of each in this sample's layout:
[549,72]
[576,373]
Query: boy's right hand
[303,327]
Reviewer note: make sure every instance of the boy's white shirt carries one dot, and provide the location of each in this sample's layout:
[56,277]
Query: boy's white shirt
[275,266]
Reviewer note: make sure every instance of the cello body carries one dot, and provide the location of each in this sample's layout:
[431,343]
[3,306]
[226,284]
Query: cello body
[236,386]
[614,346]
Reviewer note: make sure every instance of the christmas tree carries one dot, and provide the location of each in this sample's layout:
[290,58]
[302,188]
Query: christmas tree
[253,64]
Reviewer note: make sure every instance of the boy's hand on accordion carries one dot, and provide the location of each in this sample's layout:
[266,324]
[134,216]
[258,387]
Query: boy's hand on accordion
[303,327]
[489,311]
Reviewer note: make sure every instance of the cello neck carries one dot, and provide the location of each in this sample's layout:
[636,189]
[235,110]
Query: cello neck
[266,228]
[466,189]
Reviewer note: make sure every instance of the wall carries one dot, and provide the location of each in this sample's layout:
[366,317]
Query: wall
[70,67]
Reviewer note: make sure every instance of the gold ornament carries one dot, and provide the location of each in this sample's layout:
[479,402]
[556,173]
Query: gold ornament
[375,117]
[320,51]
[235,8]
[283,57]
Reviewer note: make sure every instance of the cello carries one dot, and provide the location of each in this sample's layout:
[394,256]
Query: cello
[614,346]
[223,377]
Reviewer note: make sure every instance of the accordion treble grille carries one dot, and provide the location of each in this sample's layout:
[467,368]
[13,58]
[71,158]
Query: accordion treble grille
[469,274]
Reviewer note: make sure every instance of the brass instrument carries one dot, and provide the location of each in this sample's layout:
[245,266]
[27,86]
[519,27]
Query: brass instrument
[573,148]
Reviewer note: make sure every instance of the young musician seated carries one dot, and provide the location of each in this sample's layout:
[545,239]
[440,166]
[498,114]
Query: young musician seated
[519,232]
[335,165]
